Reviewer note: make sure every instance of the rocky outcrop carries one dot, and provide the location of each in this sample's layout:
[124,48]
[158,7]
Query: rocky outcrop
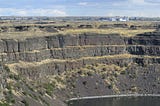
[58,66]
[23,28]
[85,26]
[145,39]
[59,41]
[53,55]
[63,53]
[32,49]
[114,26]
[77,46]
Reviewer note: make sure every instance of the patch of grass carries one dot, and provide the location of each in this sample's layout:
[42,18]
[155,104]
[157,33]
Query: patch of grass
[15,77]
[122,31]
[9,97]
[6,68]
[4,104]
[49,88]
[123,72]
[8,86]
[133,89]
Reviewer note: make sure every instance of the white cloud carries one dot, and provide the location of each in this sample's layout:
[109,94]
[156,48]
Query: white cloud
[138,1]
[83,3]
[153,1]
[132,3]
[140,13]
[31,12]
[88,4]
[48,12]
[110,14]
[145,2]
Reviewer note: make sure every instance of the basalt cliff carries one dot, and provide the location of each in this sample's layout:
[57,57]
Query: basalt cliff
[48,70]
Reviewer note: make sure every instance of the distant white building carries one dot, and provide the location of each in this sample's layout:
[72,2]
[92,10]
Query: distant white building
[124,19]
[121,19]
[113,19]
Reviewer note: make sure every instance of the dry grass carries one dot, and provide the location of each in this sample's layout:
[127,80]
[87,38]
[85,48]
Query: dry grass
[122,31]
[35,64]
[47,61]
[35,32]
[28,34]
[23,35]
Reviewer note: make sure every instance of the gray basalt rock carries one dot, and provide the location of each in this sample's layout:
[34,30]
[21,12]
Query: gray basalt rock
[78,46]
[2,46]
[11,45]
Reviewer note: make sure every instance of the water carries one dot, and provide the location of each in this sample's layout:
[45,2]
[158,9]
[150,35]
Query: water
[117,101]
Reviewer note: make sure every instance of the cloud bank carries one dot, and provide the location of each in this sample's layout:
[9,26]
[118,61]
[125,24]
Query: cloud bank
[31,12]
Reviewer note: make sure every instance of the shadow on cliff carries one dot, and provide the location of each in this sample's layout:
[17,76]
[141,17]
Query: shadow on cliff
[148,38]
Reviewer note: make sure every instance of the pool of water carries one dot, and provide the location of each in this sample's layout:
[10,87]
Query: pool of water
[117,101]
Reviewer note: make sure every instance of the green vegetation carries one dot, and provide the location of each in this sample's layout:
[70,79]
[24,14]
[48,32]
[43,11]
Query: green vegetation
[4,104]
[6,68]
[49,88]
[15,77]
[9,97]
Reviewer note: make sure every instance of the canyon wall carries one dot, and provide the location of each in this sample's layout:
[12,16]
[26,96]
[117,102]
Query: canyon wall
[60,53]
[77,46]
[50,69]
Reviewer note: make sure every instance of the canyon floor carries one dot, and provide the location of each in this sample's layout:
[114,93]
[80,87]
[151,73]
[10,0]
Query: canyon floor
[47,63]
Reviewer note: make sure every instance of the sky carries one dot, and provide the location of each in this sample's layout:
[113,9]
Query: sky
[145,8]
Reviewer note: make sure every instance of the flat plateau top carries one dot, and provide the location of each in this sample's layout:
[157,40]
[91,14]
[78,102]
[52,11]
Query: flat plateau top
[22,30]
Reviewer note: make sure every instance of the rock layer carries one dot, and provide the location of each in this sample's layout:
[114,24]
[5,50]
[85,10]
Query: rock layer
[77,46]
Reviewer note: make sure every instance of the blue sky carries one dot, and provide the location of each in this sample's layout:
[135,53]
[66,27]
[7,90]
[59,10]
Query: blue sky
[80,8]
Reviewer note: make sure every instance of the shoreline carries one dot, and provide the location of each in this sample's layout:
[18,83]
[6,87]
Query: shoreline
[112,96]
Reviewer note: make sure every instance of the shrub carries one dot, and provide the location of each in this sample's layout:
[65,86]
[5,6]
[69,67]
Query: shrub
[49,88]
[6,68]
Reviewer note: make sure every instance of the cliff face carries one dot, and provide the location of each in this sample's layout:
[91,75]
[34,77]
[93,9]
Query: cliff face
[69,46]
[83,65]
[35,48]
